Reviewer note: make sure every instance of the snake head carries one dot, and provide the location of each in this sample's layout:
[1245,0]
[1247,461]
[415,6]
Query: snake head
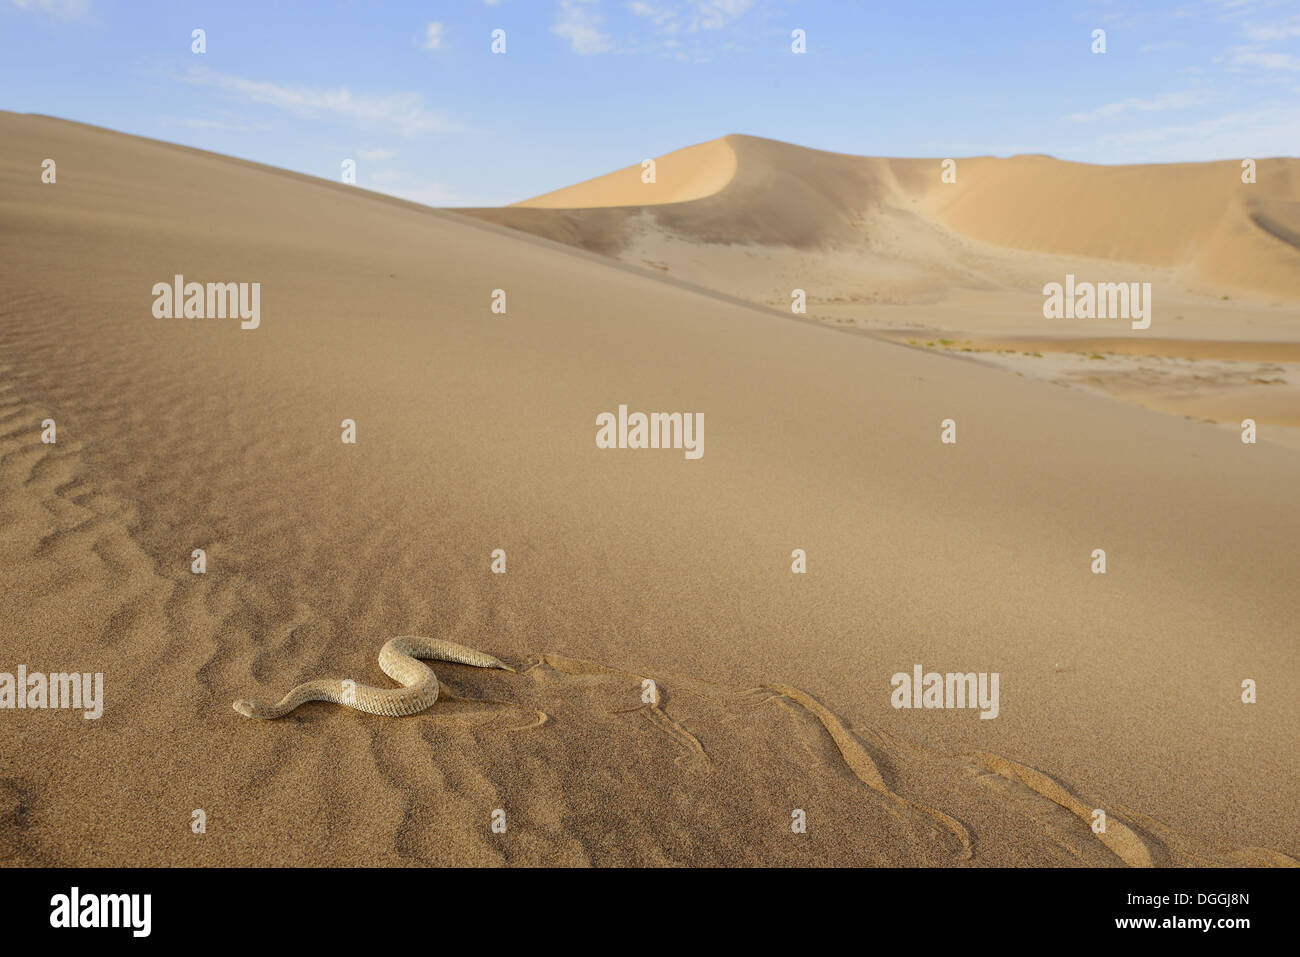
[247,708]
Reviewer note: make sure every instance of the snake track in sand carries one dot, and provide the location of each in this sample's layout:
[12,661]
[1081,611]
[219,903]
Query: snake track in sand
[399,660]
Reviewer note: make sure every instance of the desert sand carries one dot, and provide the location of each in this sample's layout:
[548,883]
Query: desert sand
[475,432]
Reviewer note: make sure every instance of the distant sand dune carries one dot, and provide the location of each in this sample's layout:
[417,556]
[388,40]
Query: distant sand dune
[1196,217]
[681,176]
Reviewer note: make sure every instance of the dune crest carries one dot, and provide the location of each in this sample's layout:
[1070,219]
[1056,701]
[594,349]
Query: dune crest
[680,176]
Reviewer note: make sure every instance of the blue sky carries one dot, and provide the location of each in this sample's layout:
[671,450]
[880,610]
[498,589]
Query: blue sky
[413,93]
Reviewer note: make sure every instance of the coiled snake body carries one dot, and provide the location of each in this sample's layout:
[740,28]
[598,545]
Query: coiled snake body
[398,659]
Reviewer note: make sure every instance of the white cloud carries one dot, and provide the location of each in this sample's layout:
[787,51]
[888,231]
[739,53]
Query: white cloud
[433,35]
[377,154]
[580,24]
[1232,4]
[60,9]
[715,14]
[1266,59]
[402,112]
[1162,45]
[667,19]
[1165,101]
[1274,31]
[1272,129]
[692,15]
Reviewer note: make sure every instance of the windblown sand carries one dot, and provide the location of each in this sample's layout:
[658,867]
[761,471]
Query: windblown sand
[1119,692]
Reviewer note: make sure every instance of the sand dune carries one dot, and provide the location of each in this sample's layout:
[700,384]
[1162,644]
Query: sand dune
[476,432]
[687,174]
[1197,218]
[885,246]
